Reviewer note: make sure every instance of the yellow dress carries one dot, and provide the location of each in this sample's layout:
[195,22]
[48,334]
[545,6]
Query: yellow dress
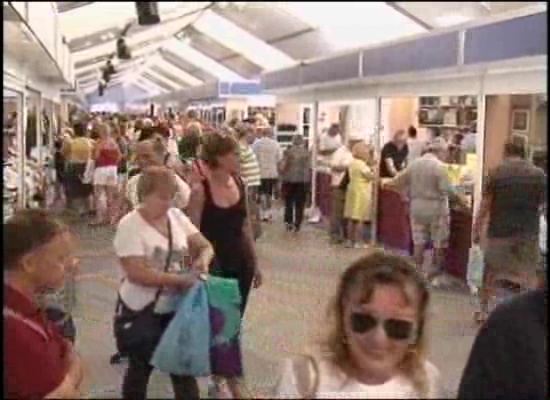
[359,192]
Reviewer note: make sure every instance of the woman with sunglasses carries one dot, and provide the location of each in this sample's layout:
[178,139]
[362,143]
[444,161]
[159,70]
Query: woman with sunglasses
[376,343]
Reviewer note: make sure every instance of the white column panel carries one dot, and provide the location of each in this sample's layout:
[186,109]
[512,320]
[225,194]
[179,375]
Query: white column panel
[202,61]
[162,78]
[242,42]
[361,119]
[39,12]
[183,75]
[152,85]
[21,8]
[516,82]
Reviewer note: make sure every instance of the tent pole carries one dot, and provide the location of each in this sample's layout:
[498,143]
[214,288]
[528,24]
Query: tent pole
[314,137]
[376,183]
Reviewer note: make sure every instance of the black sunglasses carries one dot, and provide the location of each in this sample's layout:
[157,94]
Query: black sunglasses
[396,329]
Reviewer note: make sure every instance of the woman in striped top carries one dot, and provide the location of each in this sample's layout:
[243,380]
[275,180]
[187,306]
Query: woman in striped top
[250,174]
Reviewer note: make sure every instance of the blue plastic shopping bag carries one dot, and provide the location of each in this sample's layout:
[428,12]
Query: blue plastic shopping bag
[184,348]
[476,268]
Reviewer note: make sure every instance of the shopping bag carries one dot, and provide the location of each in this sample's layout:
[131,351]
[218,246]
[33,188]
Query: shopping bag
[184,346]
[476,267]
[224,300]
[542,234]
[88,176]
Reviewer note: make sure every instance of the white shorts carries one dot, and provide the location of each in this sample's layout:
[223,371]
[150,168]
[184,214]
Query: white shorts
[106,176]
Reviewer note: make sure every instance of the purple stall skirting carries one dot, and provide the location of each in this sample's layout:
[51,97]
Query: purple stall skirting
[322,193]
[394,231]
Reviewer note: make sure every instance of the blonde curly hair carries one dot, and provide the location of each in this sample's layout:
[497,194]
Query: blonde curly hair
[364,275]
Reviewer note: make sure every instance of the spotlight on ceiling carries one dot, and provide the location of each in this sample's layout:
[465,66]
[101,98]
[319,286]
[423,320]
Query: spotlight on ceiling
[122,50]
[148,13]
[108,71]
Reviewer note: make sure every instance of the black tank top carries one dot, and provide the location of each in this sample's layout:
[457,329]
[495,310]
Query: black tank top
[223,227]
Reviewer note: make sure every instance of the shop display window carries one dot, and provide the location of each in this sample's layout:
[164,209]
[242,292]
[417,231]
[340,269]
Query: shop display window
[12,157]
[521,119]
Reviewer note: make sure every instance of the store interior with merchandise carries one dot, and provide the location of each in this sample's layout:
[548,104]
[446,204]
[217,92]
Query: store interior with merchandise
[475,99]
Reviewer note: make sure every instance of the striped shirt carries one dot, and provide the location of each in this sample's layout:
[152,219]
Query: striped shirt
[250,169]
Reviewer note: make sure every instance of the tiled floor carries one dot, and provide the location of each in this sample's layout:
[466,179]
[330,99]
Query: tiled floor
[284,316]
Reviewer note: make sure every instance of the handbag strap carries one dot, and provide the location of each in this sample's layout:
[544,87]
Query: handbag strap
[168,257]
[166,267]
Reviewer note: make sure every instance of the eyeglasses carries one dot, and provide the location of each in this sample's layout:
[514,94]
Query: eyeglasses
[396,329]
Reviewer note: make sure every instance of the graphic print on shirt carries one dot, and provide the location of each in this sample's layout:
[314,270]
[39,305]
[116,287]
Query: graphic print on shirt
[169,297]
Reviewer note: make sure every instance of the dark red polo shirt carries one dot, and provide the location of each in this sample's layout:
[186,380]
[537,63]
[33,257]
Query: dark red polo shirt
[34,351]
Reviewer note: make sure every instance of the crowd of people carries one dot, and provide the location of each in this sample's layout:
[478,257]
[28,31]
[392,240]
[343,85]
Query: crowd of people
[188,200]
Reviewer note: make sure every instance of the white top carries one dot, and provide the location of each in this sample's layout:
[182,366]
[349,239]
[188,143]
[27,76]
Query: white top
[340,158]
[333,384]
[269,153]
[172,146]
[134,238]
[327,142]
[415,147]
[181,199]
[542,234]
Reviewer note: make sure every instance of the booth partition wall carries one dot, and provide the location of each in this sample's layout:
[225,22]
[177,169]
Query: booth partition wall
[13,154]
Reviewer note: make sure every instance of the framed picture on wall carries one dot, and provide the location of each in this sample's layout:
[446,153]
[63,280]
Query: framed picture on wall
[520,121]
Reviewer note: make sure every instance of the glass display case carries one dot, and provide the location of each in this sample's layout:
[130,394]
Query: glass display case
[12,156]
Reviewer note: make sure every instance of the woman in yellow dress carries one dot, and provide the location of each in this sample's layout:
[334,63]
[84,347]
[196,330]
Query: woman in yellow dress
[358,208]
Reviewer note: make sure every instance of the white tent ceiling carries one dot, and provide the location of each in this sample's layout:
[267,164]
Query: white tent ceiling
[197,42]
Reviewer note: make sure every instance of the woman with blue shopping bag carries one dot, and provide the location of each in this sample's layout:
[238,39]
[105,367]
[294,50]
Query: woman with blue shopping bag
[152,243]
[219,206]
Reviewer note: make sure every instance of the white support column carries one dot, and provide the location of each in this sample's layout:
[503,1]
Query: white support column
[313,136]
[376,183]
[39,141]
[480,146]
[22,144]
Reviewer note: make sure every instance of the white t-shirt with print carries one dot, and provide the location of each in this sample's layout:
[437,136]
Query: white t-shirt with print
[181,199]
[134,238]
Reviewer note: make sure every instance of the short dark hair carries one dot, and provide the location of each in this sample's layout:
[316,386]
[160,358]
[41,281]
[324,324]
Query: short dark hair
[27,230]
[512,149]
[80,129]
[412,132]
[334,129]
[146,133]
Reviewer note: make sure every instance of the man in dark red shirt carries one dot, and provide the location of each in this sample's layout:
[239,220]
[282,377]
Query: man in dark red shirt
[38,362]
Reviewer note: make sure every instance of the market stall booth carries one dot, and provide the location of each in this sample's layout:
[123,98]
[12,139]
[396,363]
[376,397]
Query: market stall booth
[436,82]
[37,64]
[219,102]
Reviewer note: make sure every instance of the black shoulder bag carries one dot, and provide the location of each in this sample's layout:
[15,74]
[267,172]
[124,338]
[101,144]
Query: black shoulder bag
[343,186]
[137,333]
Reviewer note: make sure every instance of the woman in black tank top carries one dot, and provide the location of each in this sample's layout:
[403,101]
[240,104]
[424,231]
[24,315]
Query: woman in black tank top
[218,206]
